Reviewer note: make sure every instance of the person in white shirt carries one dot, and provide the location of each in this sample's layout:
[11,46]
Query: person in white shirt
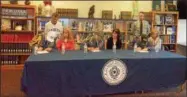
[54,25]
[53,30]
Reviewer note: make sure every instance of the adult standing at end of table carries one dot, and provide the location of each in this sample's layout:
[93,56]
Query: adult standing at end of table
[140,27]
[54,25]
[53,30]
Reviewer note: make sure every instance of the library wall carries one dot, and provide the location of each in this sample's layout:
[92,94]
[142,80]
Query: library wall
[83,6]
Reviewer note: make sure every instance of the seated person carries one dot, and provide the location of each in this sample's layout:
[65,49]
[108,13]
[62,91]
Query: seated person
[154,40]
[95,42]
[47,42]
[142,44]
[67,40]
[114,39]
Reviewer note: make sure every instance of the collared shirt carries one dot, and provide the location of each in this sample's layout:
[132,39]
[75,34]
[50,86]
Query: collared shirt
[136,28]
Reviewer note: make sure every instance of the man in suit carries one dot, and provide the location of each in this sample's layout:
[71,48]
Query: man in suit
[141,26]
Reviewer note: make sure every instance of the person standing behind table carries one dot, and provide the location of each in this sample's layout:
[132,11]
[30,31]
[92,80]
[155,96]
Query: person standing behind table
[140,27]
[54,25]
[154,40]
[95,42]
[67,40]
[114,39]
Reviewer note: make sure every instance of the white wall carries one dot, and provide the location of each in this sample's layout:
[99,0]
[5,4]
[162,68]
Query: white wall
[83,6]
[182,32]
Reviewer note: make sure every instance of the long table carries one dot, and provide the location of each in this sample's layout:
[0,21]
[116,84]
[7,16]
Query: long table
[77,74]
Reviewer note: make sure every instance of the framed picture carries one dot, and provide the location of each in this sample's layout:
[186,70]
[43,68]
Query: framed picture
[170,7]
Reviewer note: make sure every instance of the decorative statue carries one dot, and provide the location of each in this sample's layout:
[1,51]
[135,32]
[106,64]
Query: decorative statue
[40,10]
[91,12]
[13,1]
[48,8]
[27,2]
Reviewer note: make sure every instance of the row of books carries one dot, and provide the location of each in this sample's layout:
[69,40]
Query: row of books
[168,39]
[16,38]
[15,48]
[166,30]
[11,12]
[164,19]
[10,60]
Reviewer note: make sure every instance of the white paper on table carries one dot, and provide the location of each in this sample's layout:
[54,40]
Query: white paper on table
[143,51]
[42,52]
[96,50]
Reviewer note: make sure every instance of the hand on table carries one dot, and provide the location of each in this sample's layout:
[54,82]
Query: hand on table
[39,49]
[48,49]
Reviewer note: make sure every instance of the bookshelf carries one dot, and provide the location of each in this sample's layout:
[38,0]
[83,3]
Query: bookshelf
[166,23]
[17,29]
[84,27]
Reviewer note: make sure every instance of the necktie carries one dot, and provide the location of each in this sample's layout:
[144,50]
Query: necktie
[141,27]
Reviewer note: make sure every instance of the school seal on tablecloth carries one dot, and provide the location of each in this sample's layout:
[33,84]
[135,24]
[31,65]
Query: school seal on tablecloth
[114,72]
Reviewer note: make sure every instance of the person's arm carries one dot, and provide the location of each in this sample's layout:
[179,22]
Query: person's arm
[61,30]
[42,42]
[108,44]
[50,47]
[59,44]
[158,44]
[119,44]
[148,28]
[134,28]
[72,45]
[101,44]
[46,29]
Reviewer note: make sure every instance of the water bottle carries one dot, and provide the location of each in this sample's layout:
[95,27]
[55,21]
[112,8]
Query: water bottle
[63,49]
[85,48]
[135,47]
[114,48]
[35,50]
[158,47]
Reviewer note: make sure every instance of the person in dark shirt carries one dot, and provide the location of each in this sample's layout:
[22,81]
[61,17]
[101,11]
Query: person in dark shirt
[142,44]
[114,40]
[95,42]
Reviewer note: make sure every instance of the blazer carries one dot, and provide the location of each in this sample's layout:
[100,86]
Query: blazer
[136,28]
[110,43]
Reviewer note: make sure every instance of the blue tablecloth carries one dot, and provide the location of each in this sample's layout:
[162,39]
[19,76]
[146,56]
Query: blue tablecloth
[76,73]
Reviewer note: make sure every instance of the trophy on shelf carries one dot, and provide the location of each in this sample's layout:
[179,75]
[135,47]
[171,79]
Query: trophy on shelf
[27,2]
[48,9]
[158,8]
[91,12]
[13,1]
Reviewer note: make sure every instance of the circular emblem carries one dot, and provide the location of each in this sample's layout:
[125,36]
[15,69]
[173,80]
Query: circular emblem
[114,72]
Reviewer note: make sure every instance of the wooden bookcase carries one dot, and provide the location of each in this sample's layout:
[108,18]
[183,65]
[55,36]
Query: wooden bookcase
[17,29]
[98,26]
[166,23]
